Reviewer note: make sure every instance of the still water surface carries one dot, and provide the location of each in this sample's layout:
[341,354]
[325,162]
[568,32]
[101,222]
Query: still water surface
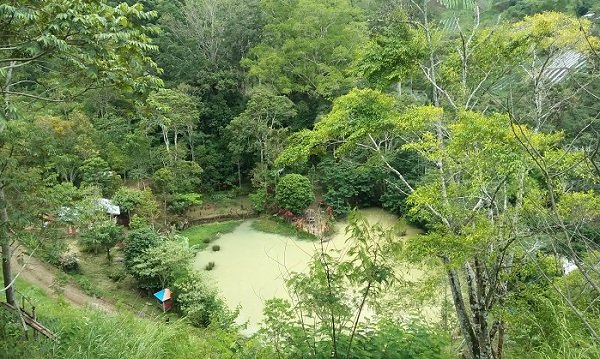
[252,266]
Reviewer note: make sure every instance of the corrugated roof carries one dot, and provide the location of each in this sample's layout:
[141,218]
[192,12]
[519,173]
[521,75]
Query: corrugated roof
[450,24]
[562,64]
[109,206]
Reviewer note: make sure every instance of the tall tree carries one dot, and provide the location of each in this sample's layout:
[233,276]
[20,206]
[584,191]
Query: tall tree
[175,114]
[307,48]
[202,44]
[261,128]
[54,50]
[481,182]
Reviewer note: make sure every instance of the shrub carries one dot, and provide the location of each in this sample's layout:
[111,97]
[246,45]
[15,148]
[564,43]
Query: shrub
[137,222]
[88,287]
[294,192]
[70,263]
[127,199]
[210,266]
[104,235]
[136,242]
[53,251]
[200,303]
[180,202]
[216,248]
[259,200]
[117,274]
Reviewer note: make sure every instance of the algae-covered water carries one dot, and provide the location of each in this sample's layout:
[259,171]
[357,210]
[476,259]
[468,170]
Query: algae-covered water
[252,266]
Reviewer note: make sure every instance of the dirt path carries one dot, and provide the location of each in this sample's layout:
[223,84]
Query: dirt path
[43,275]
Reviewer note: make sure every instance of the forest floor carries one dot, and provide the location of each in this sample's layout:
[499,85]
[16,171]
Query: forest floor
[46,277]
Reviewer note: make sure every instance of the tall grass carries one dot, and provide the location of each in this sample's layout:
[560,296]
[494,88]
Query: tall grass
[86,333]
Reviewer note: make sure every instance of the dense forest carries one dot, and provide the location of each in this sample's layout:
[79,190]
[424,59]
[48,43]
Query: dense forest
[475,123]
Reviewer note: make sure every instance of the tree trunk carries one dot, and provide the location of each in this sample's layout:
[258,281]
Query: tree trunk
[191,143]
[239,170]
[434,92]
[6,250]
[4,238]
[462,314]
[479,311]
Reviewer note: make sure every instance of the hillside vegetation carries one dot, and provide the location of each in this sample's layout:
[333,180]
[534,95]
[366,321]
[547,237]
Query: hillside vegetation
[129,128]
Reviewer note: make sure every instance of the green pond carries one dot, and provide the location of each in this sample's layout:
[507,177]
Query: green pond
[252,266]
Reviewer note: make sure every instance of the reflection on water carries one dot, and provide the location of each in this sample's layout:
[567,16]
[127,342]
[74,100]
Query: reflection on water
[252,266]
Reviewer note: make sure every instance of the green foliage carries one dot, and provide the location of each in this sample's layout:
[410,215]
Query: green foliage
[544,323]
[200,236]
[187,176]
[260,131]
[173,112]
[164,180]
[520,8]
[392,54]
[177,185]
[136,243]
[333,294]
[307,47]
[103,235]
[87,333]
[199,303]
[161,265]
[127,199]
[277,225]
[260,126]
[259,200]
[68,138]
[78,45]
[348,185]
[202,43]
[352,117]
[49,244]
[294,192]
[181,202]
[95,172]
[402,341]
[138,204]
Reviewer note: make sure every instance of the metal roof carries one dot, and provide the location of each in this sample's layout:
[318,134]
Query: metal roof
[562,64]
[109,206]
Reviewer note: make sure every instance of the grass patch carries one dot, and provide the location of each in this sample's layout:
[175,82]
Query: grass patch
[97,278]
[276,225]
[86,333]
[221,203]
[202,235]
[87,286]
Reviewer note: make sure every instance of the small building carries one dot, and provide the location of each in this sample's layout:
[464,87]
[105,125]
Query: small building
[164,298]
[109,207]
